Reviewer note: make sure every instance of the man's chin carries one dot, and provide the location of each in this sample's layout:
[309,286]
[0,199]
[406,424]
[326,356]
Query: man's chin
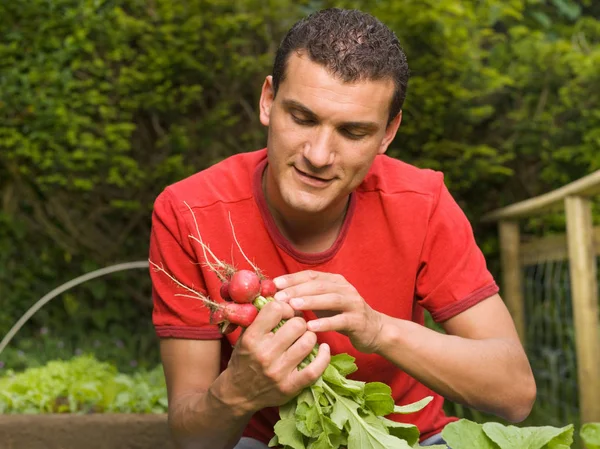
[308,205]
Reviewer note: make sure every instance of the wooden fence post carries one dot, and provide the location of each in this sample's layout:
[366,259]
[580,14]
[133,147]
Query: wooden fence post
[584,291]
[512,283]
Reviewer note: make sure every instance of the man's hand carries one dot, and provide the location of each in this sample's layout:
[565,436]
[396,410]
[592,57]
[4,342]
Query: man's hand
[263,369]
[337,304]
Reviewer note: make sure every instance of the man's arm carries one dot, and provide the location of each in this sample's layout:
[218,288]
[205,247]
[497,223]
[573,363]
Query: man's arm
[195,414]
[480,363]
[210,410]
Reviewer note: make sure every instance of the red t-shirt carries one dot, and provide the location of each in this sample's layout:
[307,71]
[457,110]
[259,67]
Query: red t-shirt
[405,244]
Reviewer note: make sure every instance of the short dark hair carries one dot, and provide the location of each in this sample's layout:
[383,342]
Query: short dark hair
[351,45]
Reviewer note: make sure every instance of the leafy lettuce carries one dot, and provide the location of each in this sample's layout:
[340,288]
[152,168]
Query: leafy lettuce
[465,434]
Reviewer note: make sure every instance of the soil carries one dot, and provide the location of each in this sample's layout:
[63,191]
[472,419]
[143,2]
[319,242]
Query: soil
[94,431]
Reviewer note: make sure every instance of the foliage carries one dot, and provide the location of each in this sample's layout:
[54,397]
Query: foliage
[338,412]
[498,101]
[128,353]
[590,434]
[103,104]
[82,385]
[466,434]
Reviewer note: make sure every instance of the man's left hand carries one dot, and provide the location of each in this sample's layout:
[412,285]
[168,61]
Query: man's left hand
[337,304]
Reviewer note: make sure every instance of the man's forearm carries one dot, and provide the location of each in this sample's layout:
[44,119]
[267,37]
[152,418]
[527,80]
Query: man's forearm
[204,420]
[490,375]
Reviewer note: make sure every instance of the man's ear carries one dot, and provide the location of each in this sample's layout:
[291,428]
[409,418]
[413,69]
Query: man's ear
[267,96]
[390,133]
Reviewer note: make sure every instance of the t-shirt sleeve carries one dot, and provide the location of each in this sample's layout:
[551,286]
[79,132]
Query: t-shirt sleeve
[453,274]
[171,249]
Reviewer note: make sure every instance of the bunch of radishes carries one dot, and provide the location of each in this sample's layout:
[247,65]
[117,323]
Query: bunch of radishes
[245,292]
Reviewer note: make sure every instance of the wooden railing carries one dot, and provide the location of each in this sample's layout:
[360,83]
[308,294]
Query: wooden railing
[580,245]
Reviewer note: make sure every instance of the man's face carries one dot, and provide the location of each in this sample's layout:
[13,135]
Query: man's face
[323,135]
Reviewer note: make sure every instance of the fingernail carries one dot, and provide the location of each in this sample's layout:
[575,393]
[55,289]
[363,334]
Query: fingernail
[297,302]
[280,282]
[313,325]
[281,296]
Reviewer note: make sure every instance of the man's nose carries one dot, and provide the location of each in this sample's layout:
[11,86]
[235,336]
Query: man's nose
[319,151]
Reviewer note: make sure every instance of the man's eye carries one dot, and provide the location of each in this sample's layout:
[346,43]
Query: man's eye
[302,121]
[351,135]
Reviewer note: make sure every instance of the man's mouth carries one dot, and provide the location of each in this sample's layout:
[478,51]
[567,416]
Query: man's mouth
[310,176]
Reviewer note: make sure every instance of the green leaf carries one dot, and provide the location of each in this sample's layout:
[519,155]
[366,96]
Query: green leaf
[322,442]
[414,407]
[590,434]
[339,415]
[329,438]
[373,421]
[344,363]
[568,8]
[307,396]
[542,18]
[288,409]
[309,421]
[70,303]
[274,442]
[405,431]
[349,387]
[288,434]
[543,437]
[465,434]
[365,436]
[378,398]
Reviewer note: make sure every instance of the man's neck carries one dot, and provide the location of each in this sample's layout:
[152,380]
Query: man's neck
[310,234]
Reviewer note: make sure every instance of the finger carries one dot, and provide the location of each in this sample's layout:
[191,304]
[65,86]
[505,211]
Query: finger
[285,336]
[333,302]
[269,317]
[292,279]
[339,323]
[312,287]
[299,350]
[309,374]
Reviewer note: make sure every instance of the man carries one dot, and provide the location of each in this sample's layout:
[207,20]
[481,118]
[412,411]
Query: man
[358,244]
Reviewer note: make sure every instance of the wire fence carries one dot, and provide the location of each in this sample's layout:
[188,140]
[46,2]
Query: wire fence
[550,341]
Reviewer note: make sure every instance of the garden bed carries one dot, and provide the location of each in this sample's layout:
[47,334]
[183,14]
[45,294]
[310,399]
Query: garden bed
[91,431]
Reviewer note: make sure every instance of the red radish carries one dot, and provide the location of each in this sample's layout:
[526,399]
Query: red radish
[242,314]
[217,316]
[267,288]
[224,291]
[244,286]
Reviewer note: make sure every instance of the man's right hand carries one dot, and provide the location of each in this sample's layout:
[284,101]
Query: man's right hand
[263,369]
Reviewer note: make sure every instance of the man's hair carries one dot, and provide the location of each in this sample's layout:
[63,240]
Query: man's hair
[351,45]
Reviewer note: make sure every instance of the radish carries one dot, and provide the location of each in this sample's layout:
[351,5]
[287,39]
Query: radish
[217,316]
[244,286]
[241,314]
[238,314]
[224,291]
[267,288]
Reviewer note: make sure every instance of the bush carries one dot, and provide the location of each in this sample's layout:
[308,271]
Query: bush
[104,104]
